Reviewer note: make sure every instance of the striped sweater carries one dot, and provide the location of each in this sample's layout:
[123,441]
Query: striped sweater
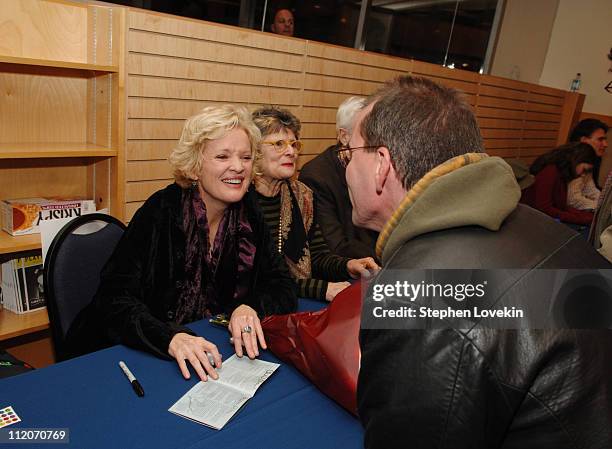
[325,265]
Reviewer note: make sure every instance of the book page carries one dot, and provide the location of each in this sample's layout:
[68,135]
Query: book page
[33,277]
[21,284]
[213,403]
[244,374]
[210,403]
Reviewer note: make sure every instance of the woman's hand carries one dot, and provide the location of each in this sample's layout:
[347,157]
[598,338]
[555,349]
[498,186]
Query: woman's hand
[185,347]
[333,288]
[245,318]
[362,267]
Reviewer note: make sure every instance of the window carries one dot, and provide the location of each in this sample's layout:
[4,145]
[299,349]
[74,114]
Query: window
[454,33]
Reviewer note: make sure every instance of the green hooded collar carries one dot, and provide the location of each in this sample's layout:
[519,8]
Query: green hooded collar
[469,190]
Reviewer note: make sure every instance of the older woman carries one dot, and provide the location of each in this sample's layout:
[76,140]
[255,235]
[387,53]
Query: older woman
[196,248]
[289,211]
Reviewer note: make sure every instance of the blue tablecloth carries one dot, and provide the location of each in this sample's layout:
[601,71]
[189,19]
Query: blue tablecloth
[91,396]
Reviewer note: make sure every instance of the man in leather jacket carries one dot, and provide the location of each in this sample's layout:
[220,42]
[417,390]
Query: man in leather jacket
[417,172]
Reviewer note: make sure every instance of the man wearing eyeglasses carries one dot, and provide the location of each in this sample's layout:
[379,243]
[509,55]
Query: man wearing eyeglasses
[417,172]
[325,176]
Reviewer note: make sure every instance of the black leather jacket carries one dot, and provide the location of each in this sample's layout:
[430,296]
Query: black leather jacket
[489,388]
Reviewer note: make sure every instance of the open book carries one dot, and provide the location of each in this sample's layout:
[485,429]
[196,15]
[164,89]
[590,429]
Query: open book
[213,403]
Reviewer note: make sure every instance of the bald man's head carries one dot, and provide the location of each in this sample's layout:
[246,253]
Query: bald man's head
[283,22]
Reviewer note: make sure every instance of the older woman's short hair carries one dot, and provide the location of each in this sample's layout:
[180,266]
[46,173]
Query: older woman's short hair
[271,119]
[212,122]
[346,112]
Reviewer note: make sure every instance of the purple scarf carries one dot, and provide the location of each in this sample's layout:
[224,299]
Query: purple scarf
[219,279]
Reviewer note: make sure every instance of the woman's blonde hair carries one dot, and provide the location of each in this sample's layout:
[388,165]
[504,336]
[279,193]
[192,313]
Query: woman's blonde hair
[212,122]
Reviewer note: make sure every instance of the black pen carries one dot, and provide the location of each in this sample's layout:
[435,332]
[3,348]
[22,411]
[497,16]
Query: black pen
[135,384]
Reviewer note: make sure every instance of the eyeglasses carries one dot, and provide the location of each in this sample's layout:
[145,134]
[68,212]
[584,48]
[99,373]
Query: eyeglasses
[345,154]
[281,145]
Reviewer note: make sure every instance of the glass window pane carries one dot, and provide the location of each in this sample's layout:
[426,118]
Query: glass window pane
[471,34]
[334,22]
[220,11]
[330,21]
[410,29]
[425,29]
[451,32]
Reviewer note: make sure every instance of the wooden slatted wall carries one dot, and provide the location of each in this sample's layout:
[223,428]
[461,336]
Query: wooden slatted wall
[333,74]
[518,120]
[176,66]
[607,119]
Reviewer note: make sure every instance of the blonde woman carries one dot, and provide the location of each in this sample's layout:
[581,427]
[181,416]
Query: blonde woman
[288,208]
[196,248]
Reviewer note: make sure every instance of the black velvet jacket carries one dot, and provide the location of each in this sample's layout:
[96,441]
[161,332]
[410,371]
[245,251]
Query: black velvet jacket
[140,285]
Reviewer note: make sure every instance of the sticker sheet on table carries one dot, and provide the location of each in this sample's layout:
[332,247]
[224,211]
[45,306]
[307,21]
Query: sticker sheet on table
[8,417]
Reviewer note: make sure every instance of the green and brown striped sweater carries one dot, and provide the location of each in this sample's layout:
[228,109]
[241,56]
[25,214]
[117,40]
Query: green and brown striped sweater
[325,265]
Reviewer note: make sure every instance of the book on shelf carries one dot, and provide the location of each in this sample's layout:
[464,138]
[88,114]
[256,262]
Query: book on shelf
[23,216]
[22,284]
[213,403]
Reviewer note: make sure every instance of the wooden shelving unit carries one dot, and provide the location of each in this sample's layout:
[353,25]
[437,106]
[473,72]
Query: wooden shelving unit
[63,113]
[13,244]
[53,150]
[14,325]
[40,64]
[61,88]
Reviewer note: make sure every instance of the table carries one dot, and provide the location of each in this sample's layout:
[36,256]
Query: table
[91,396]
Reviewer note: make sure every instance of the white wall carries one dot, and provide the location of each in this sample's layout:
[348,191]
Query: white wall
[523,39]
[580,42]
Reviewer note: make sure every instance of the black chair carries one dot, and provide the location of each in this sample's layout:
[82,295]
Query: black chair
[72,269]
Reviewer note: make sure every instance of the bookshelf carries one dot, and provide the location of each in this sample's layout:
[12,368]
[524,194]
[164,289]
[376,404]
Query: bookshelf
[13,325]
[61,103]
[53,149]
[61,100]
[55,65]
[12,244]
[27,337]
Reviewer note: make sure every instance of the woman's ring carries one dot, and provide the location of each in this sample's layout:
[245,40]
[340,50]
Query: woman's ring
[247,329]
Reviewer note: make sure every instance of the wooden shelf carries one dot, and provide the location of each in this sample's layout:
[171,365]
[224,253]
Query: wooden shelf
[13,244]
[92,69]
[52,150]
[13,325]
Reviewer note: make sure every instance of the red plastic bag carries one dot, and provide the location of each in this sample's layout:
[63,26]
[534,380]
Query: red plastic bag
[323,345]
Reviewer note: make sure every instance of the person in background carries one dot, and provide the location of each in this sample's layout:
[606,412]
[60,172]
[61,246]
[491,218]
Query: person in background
[288,207]
[593,132]
[325,175]
[553,171]
[601,228]
[196,248]
[283,22]
[582,193]
[417,172]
